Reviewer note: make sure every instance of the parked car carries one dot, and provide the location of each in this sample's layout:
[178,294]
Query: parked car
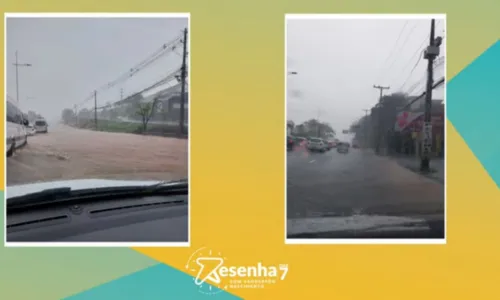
[327,146]
[289,143]
[330,144]
[316,145]
[343,148]
[17,136]
[30,129]
[301,141]
[41,126]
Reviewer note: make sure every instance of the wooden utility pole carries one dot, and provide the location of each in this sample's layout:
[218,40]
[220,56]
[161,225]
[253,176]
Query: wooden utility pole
[430,54]
[183,82]
[95,109]
[319,123]
[76,115]
[17,64]
[365,128]
[380,134]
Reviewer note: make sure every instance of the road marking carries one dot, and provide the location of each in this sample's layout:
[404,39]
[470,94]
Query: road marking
[312,161]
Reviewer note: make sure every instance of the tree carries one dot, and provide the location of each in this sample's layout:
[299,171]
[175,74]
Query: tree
[377,129]
[68,116]
[290,125]
[314,128]
[146,111]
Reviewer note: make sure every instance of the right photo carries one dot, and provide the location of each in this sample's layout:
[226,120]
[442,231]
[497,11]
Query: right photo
[365,129]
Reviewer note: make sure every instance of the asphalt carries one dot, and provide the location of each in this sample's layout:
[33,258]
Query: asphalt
[360,182]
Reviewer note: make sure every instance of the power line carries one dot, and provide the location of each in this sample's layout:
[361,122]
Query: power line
[170,77]
[162,51]
[437,64]
[395,44]
[434,86]
[420,49]
[404,43]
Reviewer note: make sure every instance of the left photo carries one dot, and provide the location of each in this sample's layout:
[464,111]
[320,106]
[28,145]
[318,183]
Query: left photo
[97,129]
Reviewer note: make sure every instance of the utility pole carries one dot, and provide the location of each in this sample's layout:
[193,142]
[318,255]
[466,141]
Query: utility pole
[121,94]
[319,124]
[380,134]
[183,82]
[430,54]
[17,64]
[76,115]
[365,128]
[95,109]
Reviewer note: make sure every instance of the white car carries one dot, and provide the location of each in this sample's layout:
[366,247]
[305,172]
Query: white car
[17,136]
[316,144]
[41,126]
[30,130]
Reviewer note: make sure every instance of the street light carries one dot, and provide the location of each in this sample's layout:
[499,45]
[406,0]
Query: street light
[17,64]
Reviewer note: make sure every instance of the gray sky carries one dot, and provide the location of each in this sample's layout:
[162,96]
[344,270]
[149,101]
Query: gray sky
[339,61]
[71,57]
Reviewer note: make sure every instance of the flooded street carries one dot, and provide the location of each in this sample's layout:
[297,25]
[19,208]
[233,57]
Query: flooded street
[69,153]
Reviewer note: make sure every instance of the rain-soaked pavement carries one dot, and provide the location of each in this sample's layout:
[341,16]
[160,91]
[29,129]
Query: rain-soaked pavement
[69,153]
[360,182]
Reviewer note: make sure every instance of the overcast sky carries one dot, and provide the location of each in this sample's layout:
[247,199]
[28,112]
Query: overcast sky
[71,57]
[339,61]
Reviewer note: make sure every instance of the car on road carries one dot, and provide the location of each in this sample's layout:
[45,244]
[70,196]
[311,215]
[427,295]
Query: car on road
[330,144]
[316,145]
[300,141]
[17,136]
[327,145]
[30,129]
[343,148]
[290,142]
[41,126]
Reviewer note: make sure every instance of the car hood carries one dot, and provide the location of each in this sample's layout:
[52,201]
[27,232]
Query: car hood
[77,184]
[356,222]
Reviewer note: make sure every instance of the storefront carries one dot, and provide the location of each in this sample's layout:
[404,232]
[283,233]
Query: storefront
[410,134]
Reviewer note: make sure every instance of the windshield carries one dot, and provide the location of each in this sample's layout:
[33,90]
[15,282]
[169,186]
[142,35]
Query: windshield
[383,169]
[121,114]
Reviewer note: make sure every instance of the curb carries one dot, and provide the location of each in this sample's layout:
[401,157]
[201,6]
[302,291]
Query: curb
[428,175]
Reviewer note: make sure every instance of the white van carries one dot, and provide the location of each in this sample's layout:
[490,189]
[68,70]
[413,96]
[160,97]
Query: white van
[17,136]
[41,126]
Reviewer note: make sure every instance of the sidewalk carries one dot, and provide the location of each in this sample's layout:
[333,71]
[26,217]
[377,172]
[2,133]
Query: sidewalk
[413,163]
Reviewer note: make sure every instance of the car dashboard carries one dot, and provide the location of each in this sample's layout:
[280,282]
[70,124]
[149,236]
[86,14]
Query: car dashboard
[138,219]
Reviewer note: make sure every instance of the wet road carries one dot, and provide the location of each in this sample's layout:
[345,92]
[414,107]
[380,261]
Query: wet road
[360,182]
[69,153]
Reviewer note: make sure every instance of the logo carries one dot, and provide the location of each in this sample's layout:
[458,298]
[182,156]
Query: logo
[213,273]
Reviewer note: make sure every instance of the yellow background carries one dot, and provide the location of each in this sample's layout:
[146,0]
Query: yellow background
[237,195]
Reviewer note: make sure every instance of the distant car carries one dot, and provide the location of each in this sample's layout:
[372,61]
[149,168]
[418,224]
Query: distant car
[41,126]
[316,145]
[343,148]
[300,141]
[330,144]
[327,145]
[30,130]
[290,142]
